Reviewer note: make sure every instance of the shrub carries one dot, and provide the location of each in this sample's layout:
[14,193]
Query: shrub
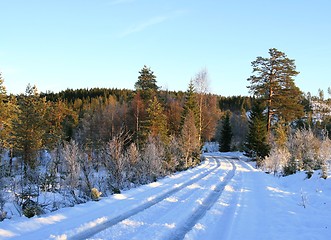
[31,208]
[95,194]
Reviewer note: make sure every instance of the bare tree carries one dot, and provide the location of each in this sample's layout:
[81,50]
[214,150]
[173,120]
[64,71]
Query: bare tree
[174,155]
[151,163]
[201,86]
[115,161]
[132,157]
[71,154]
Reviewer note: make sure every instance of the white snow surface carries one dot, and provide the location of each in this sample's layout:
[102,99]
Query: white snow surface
[225,197]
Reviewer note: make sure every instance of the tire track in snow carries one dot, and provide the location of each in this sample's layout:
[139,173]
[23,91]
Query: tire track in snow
[161,220]
[224,211]
[228,210]
[87,233]
[207,203]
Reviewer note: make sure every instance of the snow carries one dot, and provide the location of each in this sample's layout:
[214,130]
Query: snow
[223,198]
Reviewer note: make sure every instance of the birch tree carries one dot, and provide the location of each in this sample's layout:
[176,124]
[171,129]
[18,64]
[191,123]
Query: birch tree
[201,86]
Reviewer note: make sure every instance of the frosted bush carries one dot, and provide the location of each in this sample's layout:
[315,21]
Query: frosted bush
[324,156]
[304,146]
[277,159]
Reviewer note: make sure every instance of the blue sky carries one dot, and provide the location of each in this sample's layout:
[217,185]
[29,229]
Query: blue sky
[63,44]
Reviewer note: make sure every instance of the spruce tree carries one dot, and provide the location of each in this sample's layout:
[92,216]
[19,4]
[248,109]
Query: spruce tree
[226,134]
[256,141]
[190,105]
[146,89]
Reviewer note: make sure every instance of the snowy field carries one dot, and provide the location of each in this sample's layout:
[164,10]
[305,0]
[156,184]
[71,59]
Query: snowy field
[223,198]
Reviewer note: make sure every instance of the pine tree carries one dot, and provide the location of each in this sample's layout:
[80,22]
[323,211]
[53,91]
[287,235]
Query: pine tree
[146,83]
[146,89]
[6,115]
[3,114]
[256,141]
[29,127]
[190,104]
[11,110]
[157,120]
[273,82]
[54,118]
[226,134]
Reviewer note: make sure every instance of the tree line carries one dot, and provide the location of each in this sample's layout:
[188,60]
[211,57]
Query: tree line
[79,143]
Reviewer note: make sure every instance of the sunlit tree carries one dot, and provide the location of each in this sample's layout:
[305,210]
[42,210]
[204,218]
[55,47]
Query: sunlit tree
[146,83]
[29,127]
[273,82]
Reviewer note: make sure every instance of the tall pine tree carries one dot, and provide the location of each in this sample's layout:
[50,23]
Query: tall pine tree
[146,83]
[273,82]
[146,89]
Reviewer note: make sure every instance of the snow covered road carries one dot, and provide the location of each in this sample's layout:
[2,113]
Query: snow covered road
[177,213]
[223,198]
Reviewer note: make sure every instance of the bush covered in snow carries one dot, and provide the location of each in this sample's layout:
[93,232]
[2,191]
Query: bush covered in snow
[72,174]
[302,151]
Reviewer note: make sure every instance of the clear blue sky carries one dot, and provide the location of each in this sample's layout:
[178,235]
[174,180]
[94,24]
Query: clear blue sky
[60,44]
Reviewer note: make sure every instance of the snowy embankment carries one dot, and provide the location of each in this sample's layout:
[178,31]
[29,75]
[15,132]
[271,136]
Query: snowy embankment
[223,198]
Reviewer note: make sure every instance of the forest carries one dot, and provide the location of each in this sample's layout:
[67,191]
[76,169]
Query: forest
[66,148]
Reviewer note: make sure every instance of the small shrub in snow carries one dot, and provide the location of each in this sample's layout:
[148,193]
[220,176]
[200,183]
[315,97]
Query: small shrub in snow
[290,167]
[31,208]
[95,194]
[116,190]
[304,199]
